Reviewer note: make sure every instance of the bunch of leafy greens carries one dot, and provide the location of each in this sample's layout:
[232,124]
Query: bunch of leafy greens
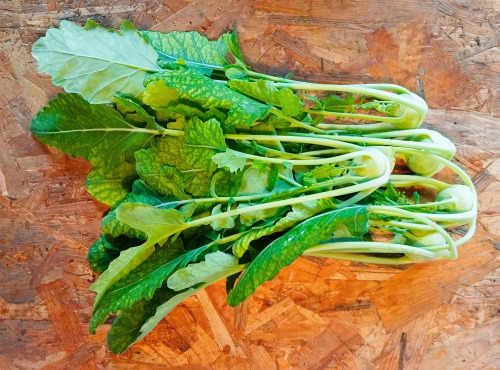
[214,171]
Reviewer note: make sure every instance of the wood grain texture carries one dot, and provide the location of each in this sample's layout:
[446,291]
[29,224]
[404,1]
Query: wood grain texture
[317,313]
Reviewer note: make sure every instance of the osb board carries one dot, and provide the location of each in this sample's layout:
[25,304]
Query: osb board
[317,313]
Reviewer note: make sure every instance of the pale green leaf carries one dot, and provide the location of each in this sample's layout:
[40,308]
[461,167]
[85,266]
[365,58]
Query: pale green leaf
[221,223]
[215,264]
[95,62]
[230,159]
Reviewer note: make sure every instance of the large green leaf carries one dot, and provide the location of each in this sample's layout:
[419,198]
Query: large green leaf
[284,250]
[163,89]
[99,134]
[95,62]
[157,224]
[189,49]
[171,151]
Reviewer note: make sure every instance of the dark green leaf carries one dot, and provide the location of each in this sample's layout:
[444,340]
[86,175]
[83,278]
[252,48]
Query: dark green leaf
[106,249]
[99,134]
[140,283]
[126,328]
[273,176]
[284,250]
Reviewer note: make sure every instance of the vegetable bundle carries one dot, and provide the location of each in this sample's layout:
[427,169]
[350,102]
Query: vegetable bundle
[212,170]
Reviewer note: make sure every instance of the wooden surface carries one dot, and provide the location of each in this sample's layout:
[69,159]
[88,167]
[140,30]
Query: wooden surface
[317,313]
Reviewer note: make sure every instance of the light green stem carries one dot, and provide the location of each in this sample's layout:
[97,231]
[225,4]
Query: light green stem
[391,211]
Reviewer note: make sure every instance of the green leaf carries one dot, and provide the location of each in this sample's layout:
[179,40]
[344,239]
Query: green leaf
[141,193]
[170,301]
[249,218]
[232,42]
[139,283]
[299,212]
[95,62]
[126,329]
[171,179]
[284,250]
[323,173]
[273,176]
[98,133]
[135,113]
[241,245]
[164,89]
[170,151]
[230,159]
[334,103]
[111,186]
[221,223]
[158,224]
[190,49]
[254,182]
[143,281]
[305,210]
[225,183]
[203,140]
[106,249]
[205,271]
[266,92]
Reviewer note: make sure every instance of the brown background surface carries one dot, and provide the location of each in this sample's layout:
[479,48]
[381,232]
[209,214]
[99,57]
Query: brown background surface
[317,313]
